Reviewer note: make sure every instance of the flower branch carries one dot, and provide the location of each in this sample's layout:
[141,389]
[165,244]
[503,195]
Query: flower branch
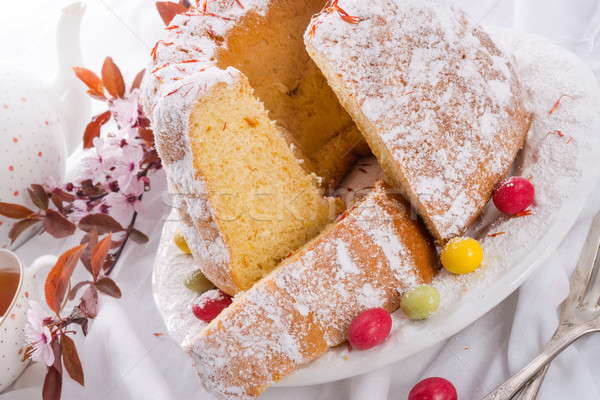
[103,204]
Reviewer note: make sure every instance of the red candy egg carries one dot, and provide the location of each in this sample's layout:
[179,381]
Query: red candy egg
[513,195]
[209,304]
[433,389]
[369,328]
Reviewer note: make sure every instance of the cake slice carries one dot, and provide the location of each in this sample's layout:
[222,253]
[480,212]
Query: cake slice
[249,133]
[367,259]
[438,102]
[245,200]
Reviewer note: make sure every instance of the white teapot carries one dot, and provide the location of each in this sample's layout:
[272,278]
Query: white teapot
[40,123]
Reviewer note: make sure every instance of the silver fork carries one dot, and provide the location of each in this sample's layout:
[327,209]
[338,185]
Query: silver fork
[580,315]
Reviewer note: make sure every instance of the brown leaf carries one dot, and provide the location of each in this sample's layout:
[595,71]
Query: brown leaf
[15,211]
[99,254]
[109,261]
[75,289]
[138,79]
[89,302]
[92,130]
[20,227]
[71,359]
[37,201]
[58,202]
[91,239]
[58,278]
[53,382]
[57,350]
[102,222]
[117,243]
[38,196]
[147,135]
[143,121]
[138,236]
[113,80]
[57,225]
[96,95]
[91,190]
[77,317]
[52,385]
[149,157]
[93,82]
[168,10]
[109,287]
[69,198]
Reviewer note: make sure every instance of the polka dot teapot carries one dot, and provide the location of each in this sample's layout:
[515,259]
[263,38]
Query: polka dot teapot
[40,123]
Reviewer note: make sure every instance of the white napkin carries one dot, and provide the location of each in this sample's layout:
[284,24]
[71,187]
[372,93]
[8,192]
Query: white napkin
[124,359]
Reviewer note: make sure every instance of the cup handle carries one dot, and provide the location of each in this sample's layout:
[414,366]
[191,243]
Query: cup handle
[42,262]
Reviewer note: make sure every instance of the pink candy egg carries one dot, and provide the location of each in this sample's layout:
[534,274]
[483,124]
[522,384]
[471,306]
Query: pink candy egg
[433,389]
[209,304]
[513,195]
[369,328]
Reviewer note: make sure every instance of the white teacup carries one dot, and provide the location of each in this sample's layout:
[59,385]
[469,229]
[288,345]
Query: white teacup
[12,324]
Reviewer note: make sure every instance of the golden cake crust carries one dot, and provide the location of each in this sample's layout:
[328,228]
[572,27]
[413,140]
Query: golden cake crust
[190,71]
[447,116]
[367,259]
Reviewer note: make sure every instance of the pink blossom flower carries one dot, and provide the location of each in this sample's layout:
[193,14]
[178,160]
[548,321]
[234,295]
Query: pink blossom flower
[128,166]
[94,162]
[100,208]
[123,203]
[80,209]
[53,187]
[125,111]
[51,184]
[38,335]
[110,158]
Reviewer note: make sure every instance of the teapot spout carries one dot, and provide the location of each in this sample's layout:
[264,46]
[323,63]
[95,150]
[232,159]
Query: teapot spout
[74,103]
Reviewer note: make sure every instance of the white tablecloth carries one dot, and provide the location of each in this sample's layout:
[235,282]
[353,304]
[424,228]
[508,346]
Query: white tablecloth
[124,359]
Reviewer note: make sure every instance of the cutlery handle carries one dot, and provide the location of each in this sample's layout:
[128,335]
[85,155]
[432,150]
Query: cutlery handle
[513,384]
[532,387]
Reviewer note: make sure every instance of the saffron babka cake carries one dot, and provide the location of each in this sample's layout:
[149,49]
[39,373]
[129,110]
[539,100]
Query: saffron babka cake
[367,259]
[438,102]
[249,133]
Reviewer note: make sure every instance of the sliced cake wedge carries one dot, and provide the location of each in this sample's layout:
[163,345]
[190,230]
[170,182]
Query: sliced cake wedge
[438,102]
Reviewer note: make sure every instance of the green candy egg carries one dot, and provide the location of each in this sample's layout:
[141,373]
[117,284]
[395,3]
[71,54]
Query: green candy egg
[197,282]
[420,302]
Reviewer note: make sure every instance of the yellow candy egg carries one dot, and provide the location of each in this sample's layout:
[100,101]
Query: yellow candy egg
[180,242]
[462,255]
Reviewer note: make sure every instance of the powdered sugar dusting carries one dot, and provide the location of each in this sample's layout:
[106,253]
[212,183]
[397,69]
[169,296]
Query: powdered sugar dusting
[446,103]
[189,196]
[182,67]
[315,293]
[208,297]
[344,259]
[555,165]
[182,70]
[175,302]
[562,173]
[395,252]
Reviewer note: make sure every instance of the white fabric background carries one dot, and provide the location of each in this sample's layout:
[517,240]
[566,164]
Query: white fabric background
[122,357]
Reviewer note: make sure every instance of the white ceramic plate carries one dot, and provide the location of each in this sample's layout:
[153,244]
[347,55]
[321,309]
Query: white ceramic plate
[562,169]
